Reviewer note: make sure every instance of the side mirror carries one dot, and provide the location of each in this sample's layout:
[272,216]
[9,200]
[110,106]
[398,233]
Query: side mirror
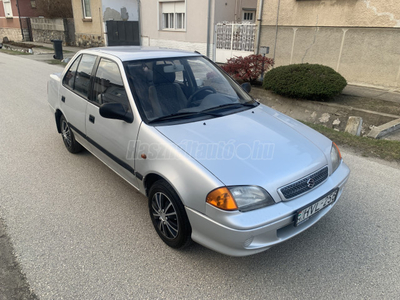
[246,86]
[115,111]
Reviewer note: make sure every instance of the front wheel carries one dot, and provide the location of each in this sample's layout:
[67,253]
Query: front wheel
[68,137]
[168,215]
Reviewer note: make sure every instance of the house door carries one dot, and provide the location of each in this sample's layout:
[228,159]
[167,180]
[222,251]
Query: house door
[123,33]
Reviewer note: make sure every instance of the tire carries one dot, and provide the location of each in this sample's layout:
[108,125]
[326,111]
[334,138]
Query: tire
[68,137]
[168,215]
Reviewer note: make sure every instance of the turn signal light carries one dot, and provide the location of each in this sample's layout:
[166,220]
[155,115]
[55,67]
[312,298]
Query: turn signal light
[337,148]
[222,198]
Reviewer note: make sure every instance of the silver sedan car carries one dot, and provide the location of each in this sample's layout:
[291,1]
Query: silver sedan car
[217,167]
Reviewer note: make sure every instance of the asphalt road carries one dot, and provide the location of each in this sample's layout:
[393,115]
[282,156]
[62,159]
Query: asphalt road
[81,232]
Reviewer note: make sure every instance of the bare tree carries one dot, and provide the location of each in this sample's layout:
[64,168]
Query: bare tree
[55,8]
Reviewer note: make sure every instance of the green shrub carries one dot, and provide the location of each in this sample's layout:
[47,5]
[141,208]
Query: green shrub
[307,81]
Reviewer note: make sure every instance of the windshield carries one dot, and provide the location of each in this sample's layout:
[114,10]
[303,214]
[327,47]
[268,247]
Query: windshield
[183,88]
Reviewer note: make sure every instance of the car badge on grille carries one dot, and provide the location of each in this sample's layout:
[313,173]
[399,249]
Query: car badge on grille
[310,183]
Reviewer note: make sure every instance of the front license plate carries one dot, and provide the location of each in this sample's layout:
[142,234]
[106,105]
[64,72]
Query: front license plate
[305,213]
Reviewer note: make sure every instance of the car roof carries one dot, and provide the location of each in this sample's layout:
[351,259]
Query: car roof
[126,53]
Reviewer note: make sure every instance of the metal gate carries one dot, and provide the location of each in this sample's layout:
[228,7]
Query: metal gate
[26,29]
[123,33]
[234,39]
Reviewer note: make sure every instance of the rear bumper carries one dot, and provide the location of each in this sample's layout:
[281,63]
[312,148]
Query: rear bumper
[236,241]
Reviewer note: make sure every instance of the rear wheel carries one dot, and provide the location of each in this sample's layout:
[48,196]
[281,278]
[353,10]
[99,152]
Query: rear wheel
[168,215]
[68,137]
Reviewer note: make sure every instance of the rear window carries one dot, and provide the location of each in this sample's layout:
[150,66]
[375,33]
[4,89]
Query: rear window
[69,78]
[78,75]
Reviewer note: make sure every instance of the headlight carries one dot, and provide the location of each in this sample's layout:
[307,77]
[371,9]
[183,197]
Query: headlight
[336,157]
[243,198]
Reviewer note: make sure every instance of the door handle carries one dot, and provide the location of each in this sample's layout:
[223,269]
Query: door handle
[91,118]
[63,99]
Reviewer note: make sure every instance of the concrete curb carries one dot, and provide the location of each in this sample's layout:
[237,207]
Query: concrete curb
[16,48]
[381,131]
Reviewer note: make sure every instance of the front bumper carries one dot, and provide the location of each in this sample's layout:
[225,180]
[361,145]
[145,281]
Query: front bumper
[236,238]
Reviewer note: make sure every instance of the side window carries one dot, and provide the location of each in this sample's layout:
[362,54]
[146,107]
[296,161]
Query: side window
[69,78]
[108,85]
[82,78]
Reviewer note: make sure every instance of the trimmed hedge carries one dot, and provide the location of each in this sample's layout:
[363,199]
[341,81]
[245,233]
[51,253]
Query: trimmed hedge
[307,81]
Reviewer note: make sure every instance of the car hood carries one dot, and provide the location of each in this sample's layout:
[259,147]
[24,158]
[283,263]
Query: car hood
[255,147]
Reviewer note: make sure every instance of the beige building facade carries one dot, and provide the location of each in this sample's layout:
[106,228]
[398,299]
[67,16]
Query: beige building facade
[189,24]
[88,19]
[358,38]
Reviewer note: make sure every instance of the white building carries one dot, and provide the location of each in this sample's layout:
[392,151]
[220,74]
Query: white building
[189,24]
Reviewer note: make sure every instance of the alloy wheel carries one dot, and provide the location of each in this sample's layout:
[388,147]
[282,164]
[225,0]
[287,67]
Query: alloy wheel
[164,214]
[66,133]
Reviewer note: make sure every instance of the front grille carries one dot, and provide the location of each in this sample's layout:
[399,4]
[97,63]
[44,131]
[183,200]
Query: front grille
[303,185]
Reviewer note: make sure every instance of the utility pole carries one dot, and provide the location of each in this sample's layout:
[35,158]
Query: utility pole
[20,22]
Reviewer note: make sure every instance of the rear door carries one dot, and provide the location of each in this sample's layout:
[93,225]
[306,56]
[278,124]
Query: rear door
[113,141]
[75,92]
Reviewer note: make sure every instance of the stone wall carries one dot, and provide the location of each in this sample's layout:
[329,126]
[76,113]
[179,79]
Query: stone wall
[44,30]
[13,34]
[88,40]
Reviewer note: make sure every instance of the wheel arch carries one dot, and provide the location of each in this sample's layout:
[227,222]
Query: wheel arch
[58,115]
[150,179]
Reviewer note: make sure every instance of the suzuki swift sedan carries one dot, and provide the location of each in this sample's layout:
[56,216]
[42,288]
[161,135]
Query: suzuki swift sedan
[216,166]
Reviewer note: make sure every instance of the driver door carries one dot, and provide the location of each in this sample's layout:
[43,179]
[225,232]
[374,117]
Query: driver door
[113,141]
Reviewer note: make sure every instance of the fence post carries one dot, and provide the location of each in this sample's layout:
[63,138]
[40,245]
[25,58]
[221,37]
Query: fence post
[233,25]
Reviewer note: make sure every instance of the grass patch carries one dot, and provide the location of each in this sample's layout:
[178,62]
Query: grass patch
[46,48]
[12,52]
[384,149]
[21,45]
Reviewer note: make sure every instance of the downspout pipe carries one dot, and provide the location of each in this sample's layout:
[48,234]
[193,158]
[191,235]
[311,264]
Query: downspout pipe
[20,22]
[208,28]
[276,30]
[140,22]
[259,19]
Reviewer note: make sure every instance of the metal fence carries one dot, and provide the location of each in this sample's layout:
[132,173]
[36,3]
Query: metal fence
[237,37]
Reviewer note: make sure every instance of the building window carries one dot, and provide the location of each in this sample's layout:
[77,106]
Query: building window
[180,21]
[173,15]
[7,8]
[33,3]
[87,14]
[248,16]
[168,20]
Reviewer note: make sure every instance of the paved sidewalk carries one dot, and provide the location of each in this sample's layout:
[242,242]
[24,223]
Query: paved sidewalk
[50,45]
[387,94]
[41,54]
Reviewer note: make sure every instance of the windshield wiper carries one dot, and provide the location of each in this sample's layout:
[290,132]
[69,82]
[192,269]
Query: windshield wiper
[183,115]
[231,105]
